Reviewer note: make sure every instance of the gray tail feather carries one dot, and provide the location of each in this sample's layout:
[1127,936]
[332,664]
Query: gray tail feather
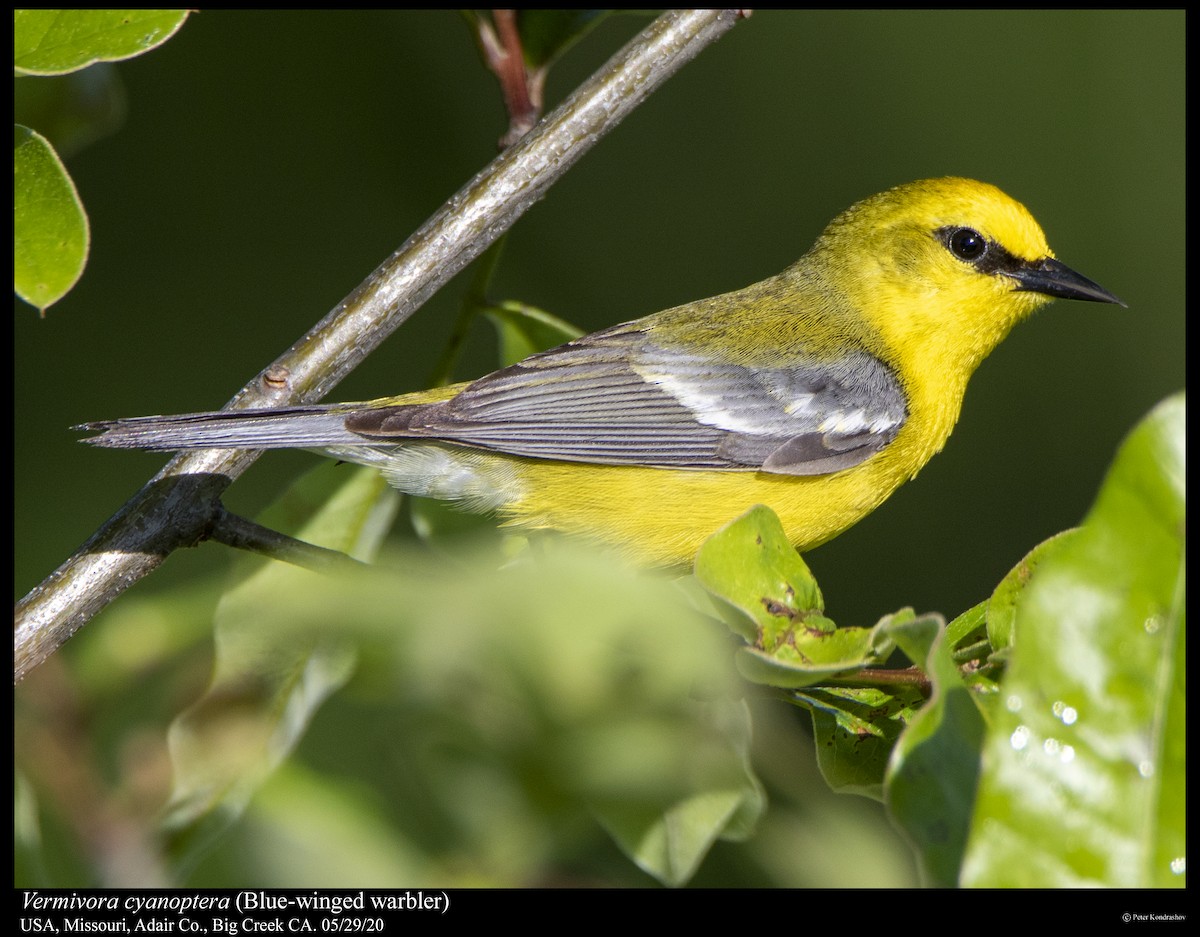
[299,427]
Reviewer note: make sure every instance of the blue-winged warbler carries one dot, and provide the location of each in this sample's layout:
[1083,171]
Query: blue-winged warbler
[816,392]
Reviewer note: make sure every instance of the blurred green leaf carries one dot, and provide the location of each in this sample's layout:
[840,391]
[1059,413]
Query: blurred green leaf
[50,228]
[523,330]
[73,110]
[53,42]
[671,844]
[934,767]
[567,683]
[547,34]
[544,34]
[300,818]
[267,682]
[1083,779]
[669,841]
[27,834]
[561,685]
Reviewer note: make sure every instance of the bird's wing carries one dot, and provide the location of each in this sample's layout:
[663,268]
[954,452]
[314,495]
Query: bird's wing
[620,397]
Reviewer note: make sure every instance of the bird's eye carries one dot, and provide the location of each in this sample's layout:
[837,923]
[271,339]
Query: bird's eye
[967,244]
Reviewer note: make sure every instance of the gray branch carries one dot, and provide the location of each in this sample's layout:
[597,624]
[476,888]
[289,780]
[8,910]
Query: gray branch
[180,505]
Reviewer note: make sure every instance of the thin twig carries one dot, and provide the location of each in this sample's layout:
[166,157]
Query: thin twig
[882,677]
[174,509]
[505,57]
[239,532]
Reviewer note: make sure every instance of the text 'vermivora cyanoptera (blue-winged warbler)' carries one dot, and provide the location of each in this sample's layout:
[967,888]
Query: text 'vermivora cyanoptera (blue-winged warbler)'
[816,392]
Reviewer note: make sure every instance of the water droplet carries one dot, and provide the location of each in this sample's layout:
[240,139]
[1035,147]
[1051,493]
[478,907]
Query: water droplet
[1020,737]
[1146,769]
[1013,704]
[1179,865]
[1152,624]
[1068,714]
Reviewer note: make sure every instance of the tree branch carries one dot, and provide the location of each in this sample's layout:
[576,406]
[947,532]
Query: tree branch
[180,504]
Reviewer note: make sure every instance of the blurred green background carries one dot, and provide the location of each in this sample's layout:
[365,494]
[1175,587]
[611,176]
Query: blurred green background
[269,161]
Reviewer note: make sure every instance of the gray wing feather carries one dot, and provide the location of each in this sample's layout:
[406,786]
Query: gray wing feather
[620,398]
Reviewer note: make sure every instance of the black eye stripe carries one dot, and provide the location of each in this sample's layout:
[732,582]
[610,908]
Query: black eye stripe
[969,246]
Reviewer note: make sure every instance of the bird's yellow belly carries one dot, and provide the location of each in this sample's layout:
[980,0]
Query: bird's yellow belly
[663,516]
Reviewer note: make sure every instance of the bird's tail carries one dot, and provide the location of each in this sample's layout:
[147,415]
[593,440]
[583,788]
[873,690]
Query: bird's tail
[300,427]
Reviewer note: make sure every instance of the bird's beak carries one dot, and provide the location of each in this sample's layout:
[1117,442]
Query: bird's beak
[1055,278]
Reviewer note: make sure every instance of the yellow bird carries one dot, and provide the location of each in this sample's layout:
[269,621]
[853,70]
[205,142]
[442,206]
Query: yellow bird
[817,392]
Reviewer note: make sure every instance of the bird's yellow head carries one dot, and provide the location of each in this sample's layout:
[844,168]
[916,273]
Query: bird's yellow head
[943,269]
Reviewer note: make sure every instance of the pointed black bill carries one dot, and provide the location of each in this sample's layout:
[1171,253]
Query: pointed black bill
[1055,278]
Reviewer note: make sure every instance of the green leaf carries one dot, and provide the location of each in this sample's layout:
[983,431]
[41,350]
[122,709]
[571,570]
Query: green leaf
[27,833]
[1002,606]
[1083,778]
[523,330]
[670,841]
[269,681]
[559,688]
[856,726]
[855,730]
[750,564]
[561,681]
[547,34]
[50,228]
[934,767]
[53,42]
[670,844]
[968,626]
[301,818]
[813,657]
